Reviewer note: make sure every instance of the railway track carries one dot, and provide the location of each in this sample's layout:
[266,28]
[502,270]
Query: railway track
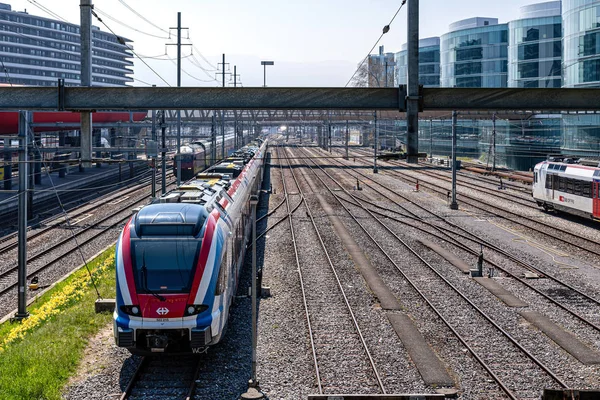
[521,360]
[163,378]
[69,198]
[466,178]
[60,251]
[565,298]
[332,325]
[9,242]
[555,233]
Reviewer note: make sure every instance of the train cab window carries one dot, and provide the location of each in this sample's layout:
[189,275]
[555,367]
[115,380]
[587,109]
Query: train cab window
[548,181]
[555,181]
[535,177]
[563,168]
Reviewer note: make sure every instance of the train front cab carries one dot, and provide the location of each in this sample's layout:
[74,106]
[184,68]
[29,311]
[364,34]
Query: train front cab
[163,304]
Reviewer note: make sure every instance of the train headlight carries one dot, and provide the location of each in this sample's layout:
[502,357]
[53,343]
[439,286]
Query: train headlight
[130,310]
[193,309]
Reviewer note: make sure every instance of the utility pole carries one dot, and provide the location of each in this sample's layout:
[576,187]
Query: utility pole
[223,64]
[235,130]
[329,135]
[347,139]
[454,204]
[213,139]
[178,44]
[412,99]
[85,131]
[253,391]
[22,215]
[494,142]
[375,169]
[235,76]
[153,193]
[431,139]
[163,128]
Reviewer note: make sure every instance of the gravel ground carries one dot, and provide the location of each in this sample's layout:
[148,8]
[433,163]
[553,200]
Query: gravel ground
[285,364]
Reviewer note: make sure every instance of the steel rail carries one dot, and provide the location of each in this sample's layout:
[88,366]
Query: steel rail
[134,378]
[470,236]
[341,287]
[460,245]
[513,218]
[306,313]
[30,273]
[414,252]
[8,240]
[435,189]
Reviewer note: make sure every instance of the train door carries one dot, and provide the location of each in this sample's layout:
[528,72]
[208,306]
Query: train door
[596,199]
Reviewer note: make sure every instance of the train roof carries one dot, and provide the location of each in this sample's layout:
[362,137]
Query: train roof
[183,211]
[170,219]
[576,160]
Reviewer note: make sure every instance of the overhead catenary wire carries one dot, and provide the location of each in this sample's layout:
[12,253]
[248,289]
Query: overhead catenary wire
[385,30]
[129,26]
[190,75]
[142,17]
[6,72]
[47,10]
[120,39]
[66,215]
[197,64]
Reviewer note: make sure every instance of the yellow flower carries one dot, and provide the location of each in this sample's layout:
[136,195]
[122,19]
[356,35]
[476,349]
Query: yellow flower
[70,292]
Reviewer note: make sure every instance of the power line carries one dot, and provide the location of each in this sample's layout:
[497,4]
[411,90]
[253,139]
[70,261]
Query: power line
[204,58]
[190,75]
[169,37]
[120,40]
[207,73]
[6,72]
[47,10]
[144,82]
[128,26]
[142,17]
[199,65]
[386,29]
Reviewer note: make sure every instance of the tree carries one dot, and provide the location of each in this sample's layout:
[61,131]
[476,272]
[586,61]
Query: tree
[370,73]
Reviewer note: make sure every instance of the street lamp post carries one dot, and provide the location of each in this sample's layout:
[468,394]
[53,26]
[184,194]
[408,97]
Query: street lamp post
[264,64]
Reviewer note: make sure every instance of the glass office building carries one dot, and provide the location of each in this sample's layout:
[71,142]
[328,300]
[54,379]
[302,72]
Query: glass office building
[37,51]
[475,54]
[535,47]
[581,43]
[429,63]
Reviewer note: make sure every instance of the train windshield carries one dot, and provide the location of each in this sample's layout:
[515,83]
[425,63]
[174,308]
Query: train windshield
[164,266]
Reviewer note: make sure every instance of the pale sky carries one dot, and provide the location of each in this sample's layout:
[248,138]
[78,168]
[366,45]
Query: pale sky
[313,42]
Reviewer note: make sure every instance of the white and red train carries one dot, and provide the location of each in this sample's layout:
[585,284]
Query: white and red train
[178,259]
[568,185]
[196,156]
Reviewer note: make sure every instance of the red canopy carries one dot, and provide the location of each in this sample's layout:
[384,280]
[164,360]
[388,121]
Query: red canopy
[9,121]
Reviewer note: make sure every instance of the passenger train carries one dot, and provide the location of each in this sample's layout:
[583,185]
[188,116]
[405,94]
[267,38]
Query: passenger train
[570,185]
[178,259]
[196,156]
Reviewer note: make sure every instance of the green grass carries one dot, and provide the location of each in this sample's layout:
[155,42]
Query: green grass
[39,365]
